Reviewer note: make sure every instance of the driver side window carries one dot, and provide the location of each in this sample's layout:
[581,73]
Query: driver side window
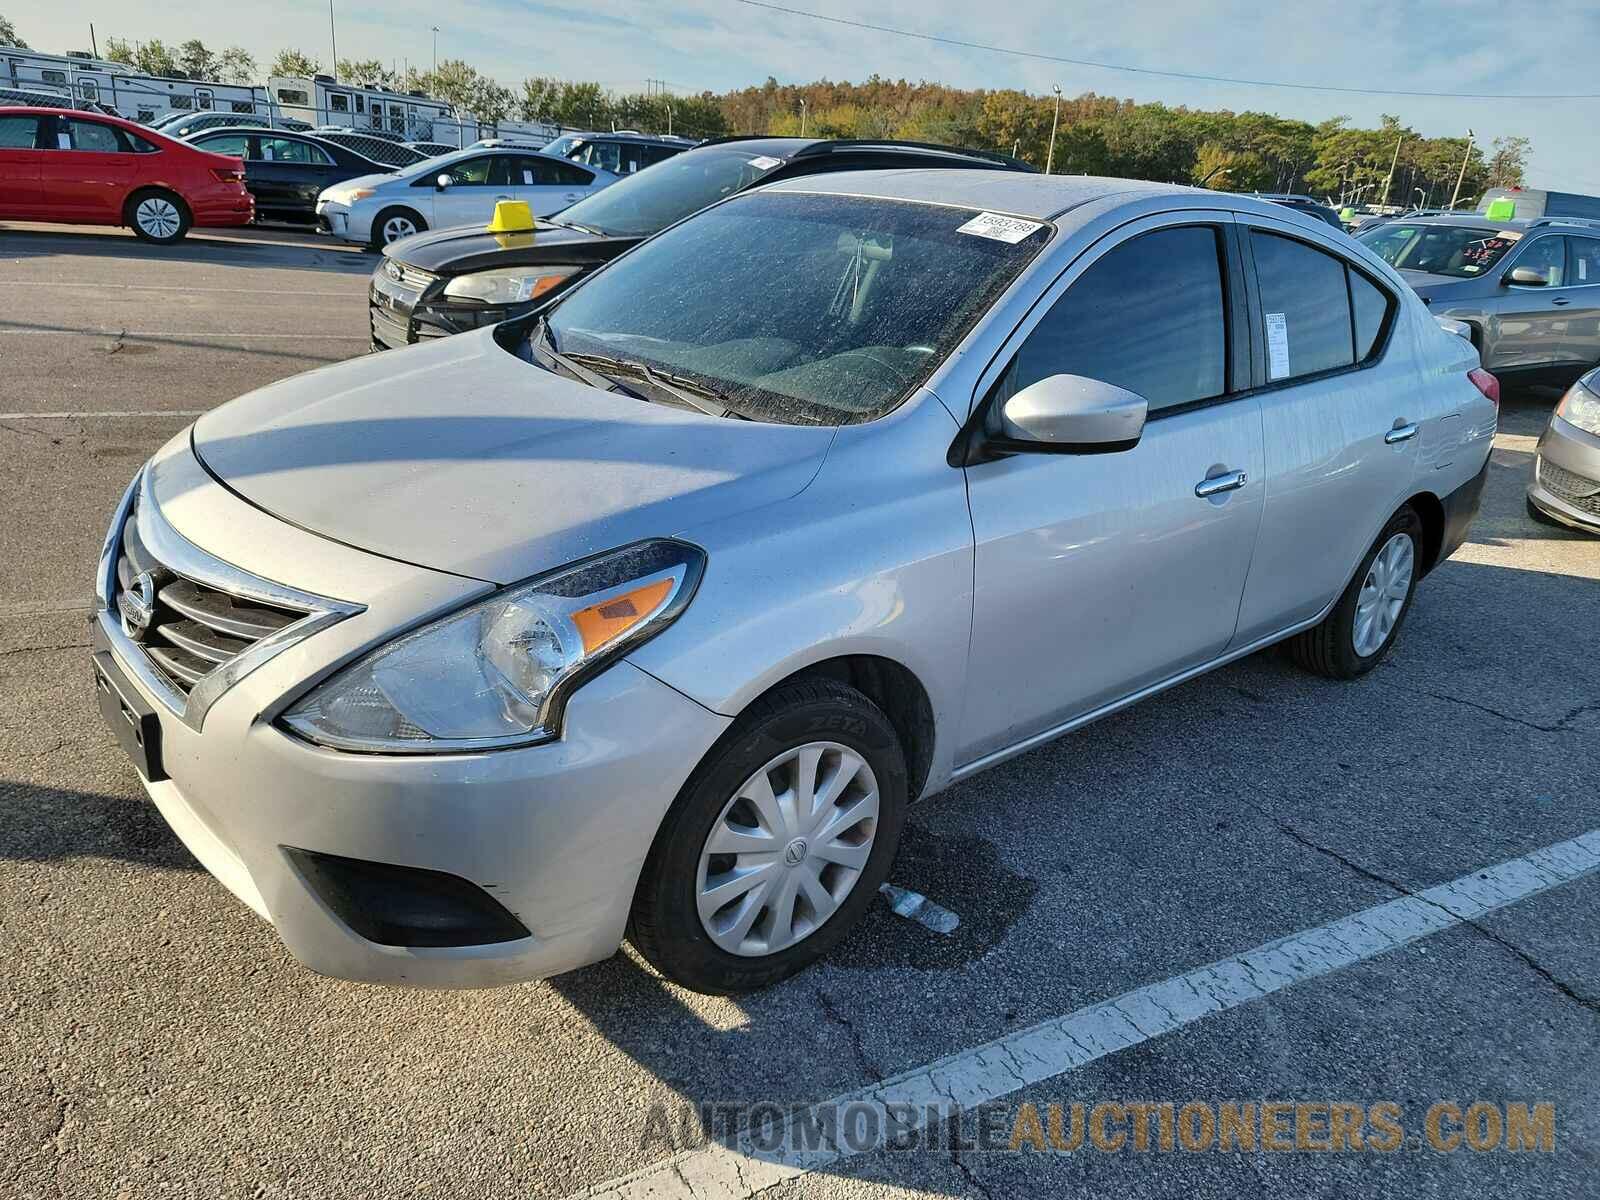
[471,172]
[1547,256]
[1147,316]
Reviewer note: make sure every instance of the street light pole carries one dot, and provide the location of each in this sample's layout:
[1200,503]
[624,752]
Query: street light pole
[435,72]
[1050,156]
[333,39]
[802,116]
[1389,178]
[1456,195]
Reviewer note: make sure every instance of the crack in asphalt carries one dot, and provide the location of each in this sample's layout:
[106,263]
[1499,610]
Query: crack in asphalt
[960,1164]
[1563,725]
[1592,1003]
[42,649]
[838,1018]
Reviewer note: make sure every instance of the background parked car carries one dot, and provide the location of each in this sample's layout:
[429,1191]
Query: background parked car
[286,172]
[456,279]
[182,125]
[57,164]
[1537,202]
[1528,289]
[452,189]
[619,153]
[430,149]
[1303,204]
[369,143]
[1566,465]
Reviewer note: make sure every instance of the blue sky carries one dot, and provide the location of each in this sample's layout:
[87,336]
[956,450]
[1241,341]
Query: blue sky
[1429,45]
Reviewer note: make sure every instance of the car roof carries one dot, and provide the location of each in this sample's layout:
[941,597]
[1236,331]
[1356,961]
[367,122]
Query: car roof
[1025,194]
[594,135]
[795,147]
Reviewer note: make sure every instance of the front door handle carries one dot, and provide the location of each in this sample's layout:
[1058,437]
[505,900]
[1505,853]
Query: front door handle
[1561,301]
[1213,484]
[1401,433]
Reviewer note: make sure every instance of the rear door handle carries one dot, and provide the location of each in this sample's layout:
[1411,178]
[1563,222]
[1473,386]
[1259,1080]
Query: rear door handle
[1401,433]
[1561,301]
[1213,484]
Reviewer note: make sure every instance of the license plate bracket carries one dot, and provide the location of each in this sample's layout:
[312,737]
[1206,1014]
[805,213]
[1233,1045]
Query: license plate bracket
[135,723]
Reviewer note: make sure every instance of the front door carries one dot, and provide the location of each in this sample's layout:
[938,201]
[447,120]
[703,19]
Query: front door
[1099,575]
[475,184]
[1530,321]
[1582,347]
[19,166]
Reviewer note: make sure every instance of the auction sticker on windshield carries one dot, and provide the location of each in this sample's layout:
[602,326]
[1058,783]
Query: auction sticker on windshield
[765,162]
[999,228]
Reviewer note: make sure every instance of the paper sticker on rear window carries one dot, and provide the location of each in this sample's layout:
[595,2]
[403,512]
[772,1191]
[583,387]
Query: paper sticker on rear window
[765,163]
[527,176]
[999,228]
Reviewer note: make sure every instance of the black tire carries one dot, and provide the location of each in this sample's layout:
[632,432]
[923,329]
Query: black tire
[398,210]
[151,232]
[665,926]
[1329,648]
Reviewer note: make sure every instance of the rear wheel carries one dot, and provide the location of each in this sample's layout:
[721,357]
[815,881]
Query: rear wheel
[776,845]
[392,224]
[157,216]
[1354,637]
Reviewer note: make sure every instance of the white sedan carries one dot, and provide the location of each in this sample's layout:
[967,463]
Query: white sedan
[460,188]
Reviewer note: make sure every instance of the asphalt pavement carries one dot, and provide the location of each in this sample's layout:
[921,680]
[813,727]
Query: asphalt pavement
[158,1039]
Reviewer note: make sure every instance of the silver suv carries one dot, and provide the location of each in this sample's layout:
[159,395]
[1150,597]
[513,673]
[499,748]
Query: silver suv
[1529,289]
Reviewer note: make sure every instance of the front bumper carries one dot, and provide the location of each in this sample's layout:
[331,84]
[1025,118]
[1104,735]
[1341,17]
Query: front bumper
[555,833]
[1566,476]
[339,220]
[402,316]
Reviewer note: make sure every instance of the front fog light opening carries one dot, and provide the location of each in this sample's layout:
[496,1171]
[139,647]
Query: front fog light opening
[406,906]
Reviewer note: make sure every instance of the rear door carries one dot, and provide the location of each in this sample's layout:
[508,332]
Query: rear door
[85,175]
[1098,575]
[1344,411]
[19,165]
[1583,293]
[550,184]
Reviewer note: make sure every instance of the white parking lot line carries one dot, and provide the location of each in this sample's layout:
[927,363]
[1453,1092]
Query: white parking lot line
[138,412]
[772,1153]
[191,335]
[167,287]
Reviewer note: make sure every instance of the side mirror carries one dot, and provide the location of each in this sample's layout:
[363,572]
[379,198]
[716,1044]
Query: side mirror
[1070,414]
[441,182]
[1525,277]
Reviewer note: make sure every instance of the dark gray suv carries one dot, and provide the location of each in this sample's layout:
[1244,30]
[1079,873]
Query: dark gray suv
[1529,289]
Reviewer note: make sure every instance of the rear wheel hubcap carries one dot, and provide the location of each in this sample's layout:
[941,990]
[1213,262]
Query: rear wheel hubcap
[787,849]
[157,217]
[1383,595]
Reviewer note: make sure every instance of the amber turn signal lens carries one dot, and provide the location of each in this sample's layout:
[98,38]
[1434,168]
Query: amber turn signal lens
[611,618]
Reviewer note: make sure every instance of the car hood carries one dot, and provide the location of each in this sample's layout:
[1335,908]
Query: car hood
[376,179]
[461,457]
[1430,286]
[470,248]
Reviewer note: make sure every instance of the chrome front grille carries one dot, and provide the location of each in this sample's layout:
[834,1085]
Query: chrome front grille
[408,276]
[1577,490]
[192,628]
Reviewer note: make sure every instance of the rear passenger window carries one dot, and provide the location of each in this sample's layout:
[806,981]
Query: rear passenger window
[1585,270]
[1370,305]
[1148,316]
[1307,307]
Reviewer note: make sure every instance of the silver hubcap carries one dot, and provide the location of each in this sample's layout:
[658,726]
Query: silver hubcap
[396,228]
[787,849]
[1383,595]
[157,217]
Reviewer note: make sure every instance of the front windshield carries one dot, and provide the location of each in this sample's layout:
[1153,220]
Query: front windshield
[660,195]
[562,145]
[797,308]
[1456,250]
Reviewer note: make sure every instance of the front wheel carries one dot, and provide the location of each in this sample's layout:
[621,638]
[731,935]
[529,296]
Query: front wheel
[157,216]
[392,224]
[776,845]
[1354,637]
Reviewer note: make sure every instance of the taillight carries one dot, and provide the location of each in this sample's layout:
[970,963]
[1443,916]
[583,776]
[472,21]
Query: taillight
[1485,383]
[228,174]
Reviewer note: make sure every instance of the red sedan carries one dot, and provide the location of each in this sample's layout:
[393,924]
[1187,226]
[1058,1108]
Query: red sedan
[57,164]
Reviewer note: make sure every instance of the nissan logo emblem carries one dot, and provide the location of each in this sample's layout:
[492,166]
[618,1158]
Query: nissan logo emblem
[137,604]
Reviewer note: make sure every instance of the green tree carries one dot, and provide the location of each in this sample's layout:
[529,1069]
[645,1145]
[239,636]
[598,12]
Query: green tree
[1508,162]
[196,61]
[368,72]
[119,51]
[8,35]
[236,65]
[492,102]
[294,63]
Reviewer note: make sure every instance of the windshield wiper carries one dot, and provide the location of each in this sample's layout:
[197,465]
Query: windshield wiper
[577,370]
[687,391]
[581,228]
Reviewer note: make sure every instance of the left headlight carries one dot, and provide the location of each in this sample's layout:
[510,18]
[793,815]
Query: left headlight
[498,672]
[507,287]
[1581,407]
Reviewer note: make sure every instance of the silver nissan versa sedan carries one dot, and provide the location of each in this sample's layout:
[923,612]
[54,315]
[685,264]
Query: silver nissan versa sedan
[648,614]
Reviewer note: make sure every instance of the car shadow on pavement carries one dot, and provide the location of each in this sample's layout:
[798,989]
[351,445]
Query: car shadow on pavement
[197,248]
[39,823]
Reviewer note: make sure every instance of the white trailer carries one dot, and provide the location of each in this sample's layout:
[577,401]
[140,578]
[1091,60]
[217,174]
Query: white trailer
[125,91]
[322,100]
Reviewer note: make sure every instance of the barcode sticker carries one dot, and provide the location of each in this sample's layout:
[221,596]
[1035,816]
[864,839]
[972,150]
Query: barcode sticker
[1277,346]
[1000,229]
